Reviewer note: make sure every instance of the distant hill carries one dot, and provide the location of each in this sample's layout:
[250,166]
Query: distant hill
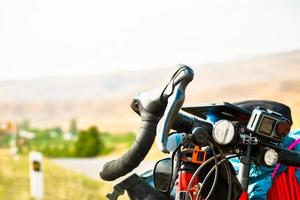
[104,99]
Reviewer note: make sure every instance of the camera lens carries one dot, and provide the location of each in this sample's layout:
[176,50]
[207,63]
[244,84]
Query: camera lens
[283,128]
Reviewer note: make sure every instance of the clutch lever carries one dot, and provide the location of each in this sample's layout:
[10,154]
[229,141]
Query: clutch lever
[174,92]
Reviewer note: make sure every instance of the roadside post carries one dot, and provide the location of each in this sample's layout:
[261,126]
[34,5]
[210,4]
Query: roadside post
[14,139]
[36,175]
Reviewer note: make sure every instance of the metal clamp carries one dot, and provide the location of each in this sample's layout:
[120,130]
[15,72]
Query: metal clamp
[198,155]
[249,140]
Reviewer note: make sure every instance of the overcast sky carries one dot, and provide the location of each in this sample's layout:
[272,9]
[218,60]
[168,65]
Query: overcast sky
[54,37]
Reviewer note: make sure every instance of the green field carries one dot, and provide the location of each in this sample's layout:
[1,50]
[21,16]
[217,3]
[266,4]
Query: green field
[60,184]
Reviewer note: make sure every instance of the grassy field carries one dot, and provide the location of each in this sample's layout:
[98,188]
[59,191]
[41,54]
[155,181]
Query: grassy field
[60,184]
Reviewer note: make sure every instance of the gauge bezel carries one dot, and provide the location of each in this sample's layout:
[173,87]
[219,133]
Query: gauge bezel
[270,151]
[229,129]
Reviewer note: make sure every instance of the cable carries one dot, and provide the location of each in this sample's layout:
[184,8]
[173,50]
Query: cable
[228,171]
[209,173]
[227,168]
[175,170]
[216,173]
[197,171]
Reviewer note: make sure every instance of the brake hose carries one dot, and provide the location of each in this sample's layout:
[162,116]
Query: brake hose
[214,168]
[197,171]
[228,172]
[216,174]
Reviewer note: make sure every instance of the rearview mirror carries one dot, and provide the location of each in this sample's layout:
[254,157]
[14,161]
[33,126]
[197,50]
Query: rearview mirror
[163,174]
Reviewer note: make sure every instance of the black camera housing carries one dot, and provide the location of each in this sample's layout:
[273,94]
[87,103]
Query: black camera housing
[264,122]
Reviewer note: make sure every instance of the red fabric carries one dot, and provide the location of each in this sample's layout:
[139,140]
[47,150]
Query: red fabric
[244,196]
[285,187]
[184,179]
[292,146]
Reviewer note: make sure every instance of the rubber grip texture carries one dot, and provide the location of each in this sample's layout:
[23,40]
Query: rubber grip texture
[136,154]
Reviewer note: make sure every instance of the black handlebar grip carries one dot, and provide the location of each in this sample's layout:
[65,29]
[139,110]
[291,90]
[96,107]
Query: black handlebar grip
[136,154]
[289,158]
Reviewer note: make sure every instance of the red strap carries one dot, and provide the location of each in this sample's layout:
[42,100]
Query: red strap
[286,185]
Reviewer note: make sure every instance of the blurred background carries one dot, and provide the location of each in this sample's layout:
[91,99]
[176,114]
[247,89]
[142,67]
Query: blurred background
[68,71]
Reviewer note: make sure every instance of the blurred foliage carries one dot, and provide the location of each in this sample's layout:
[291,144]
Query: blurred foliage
[24,124]
[53,143]
[48,141]
[60,184]
[113,142]
[4,141]
[88,143]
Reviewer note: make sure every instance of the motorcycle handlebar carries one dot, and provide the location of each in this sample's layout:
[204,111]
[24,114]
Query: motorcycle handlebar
[150,106]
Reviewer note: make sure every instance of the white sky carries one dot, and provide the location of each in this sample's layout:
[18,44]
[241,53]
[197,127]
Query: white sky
[53,37]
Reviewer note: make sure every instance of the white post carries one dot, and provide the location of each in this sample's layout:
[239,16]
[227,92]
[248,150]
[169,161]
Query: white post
[13,139]
[36,175]
[13,145]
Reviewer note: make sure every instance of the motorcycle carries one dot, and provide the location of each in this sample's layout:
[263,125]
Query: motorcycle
[205,144]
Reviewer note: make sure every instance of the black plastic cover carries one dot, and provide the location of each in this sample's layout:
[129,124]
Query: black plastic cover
[222,110]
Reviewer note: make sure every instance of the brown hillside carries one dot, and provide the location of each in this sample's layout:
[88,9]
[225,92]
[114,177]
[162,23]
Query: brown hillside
[104,100]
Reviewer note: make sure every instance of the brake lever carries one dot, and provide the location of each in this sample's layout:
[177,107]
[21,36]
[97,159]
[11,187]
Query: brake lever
[175,99]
